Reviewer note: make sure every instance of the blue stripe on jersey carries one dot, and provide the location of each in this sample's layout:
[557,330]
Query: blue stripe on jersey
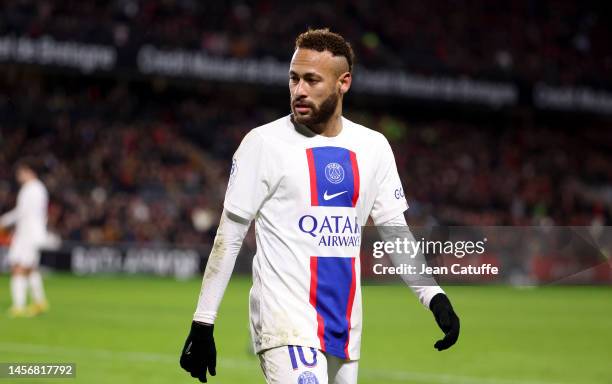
[334,280]
[335,179]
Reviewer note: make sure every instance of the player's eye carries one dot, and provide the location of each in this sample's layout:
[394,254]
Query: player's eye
[313,80]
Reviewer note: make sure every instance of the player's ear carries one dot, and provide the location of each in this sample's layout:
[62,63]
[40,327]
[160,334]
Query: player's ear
[344,81]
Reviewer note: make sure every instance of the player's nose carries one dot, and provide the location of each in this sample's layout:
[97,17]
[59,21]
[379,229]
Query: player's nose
[299,91]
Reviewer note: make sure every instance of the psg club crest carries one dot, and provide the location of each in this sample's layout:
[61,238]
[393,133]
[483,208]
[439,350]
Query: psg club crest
[334,176]
[334,173]
[307,378]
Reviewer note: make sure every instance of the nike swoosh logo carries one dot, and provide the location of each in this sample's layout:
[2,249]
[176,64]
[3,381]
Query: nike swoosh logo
[188,350]
[329,197]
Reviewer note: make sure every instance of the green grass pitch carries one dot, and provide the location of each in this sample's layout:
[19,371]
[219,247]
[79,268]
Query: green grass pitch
[131,329]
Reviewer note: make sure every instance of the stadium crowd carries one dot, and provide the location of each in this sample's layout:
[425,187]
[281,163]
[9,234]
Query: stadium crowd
[122,167]
[556,41]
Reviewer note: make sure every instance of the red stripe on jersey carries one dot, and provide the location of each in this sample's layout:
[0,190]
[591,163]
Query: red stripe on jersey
[313,300]
[349,307]
[314,196]
[355,177]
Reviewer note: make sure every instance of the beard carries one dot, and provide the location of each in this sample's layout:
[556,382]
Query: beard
[318,114]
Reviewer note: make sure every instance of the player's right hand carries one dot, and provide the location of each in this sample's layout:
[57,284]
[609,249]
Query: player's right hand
[199,353]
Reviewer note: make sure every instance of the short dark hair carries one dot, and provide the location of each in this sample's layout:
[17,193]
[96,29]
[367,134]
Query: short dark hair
[324,40]
[28,163]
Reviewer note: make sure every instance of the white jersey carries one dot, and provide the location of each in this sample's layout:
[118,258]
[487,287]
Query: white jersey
[30,215]
[310,195]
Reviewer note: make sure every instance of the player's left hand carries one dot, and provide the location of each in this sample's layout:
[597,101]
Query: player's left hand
[447,321]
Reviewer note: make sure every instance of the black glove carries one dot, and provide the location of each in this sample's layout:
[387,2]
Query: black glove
[447,321]
[199,352]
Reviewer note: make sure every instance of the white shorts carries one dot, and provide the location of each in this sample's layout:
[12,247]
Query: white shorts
[305,365]
[23,253]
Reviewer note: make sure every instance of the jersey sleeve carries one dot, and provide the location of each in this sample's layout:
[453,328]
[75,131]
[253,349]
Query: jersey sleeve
[9,218]
[390,201]
[249,182]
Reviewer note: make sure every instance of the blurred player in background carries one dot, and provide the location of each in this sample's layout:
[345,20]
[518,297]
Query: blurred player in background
[310,181]
[30,220]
